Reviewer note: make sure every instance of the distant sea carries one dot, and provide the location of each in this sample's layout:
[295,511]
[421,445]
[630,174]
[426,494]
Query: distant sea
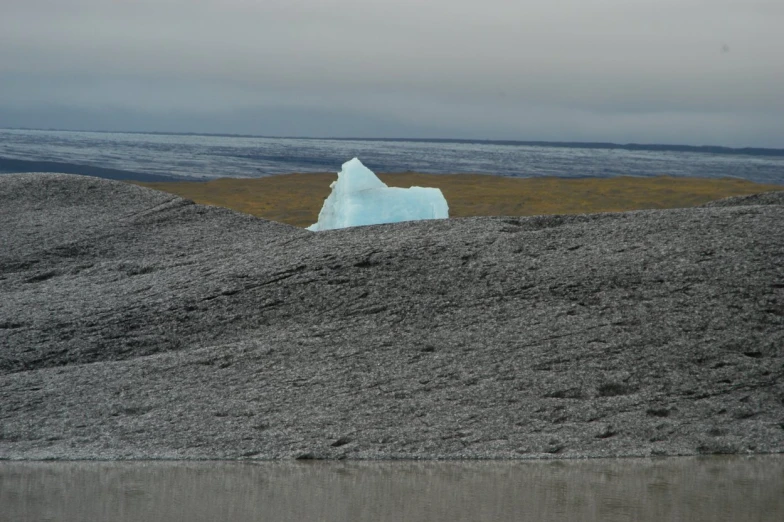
[190,156]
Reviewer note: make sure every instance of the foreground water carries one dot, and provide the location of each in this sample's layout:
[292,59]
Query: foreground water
[228,156]
[693,489]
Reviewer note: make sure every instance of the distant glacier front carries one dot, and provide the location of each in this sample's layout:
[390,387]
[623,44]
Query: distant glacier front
[359,198]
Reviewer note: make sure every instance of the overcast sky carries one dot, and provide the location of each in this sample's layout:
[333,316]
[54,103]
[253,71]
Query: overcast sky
[663,71]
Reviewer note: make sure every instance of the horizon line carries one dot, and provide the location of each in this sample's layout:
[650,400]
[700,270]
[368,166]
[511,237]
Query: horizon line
[749,150]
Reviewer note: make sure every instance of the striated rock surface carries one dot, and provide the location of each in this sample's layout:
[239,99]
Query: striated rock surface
[134,324]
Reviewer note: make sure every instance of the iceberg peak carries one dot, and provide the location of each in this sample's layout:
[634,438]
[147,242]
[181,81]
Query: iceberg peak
[358,198]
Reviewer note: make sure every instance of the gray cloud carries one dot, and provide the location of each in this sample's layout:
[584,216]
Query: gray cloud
[626,70]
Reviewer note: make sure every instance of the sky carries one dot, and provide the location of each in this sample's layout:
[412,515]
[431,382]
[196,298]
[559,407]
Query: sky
[646,71]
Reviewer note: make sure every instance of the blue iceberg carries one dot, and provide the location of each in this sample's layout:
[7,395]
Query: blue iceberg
[359,198]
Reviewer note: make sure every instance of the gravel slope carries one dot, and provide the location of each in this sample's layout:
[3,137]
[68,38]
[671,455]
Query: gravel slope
[135,324]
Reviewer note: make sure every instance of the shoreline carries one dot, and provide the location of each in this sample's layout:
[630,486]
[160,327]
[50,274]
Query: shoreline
[18,166]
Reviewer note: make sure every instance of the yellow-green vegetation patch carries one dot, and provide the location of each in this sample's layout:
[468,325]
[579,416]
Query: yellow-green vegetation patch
[297,198]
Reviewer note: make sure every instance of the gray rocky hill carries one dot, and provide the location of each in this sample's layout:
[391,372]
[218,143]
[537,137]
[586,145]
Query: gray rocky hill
[136,324]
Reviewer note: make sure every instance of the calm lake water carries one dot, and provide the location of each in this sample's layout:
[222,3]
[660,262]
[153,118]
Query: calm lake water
[232,156]
[690,489]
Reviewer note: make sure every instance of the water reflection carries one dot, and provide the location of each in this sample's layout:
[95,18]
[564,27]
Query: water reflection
[694,489]
[233,156]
